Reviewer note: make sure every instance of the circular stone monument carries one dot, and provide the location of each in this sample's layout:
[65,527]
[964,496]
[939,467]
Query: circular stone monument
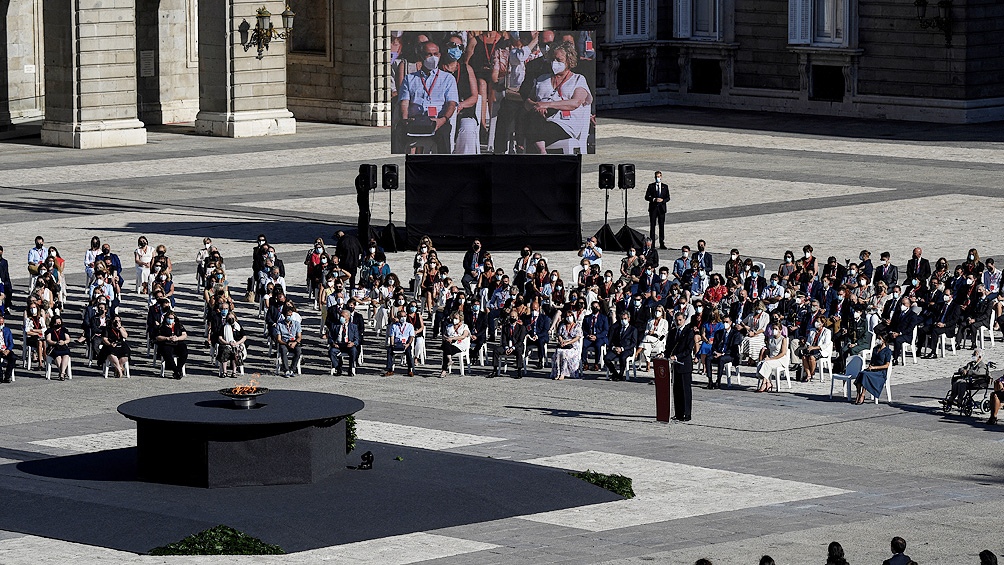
[203,439]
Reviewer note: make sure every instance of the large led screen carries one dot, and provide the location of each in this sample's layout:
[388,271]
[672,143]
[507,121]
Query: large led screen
[499,92]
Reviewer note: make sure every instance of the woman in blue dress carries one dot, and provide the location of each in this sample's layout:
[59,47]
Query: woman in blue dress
[875,374]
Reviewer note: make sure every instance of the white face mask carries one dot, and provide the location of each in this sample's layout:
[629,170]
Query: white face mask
[557,67]
[208,245]
[808,255]
[431,63]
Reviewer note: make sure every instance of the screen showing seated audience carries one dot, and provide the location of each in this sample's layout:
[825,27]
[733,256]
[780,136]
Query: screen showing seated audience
[498,92]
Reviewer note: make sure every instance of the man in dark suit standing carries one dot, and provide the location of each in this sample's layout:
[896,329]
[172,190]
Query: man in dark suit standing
[623,342]
[473,265]
[349,251]
[680,349]
[918,267]
[657,195]
[8,287]
[513,342]
[725,350]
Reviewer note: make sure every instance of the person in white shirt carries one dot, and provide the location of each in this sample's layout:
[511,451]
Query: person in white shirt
[559,103]
[456,339]
[818,345]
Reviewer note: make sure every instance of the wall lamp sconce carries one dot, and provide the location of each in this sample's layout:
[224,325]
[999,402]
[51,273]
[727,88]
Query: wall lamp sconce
[942,21]
[264,32]
[588,12]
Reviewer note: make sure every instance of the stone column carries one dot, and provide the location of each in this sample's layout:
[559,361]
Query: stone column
[240,95]
[90,74]
[168,61]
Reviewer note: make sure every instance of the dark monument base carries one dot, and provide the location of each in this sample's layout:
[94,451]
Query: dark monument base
[202,440]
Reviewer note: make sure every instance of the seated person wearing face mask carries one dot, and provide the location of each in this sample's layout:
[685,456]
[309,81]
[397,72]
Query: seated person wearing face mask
[724,350]
[401,339]
[538,326]
[512,343]
[623,342]
[428,99]
[344,341]
[456,339]
[595,328]
[559,102]
[171,344]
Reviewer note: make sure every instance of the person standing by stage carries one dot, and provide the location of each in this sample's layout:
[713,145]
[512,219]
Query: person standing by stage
[680,348]
[657,195]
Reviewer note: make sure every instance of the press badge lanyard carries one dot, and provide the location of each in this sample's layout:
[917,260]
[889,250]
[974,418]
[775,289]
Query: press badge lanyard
[428,89]
[557,87]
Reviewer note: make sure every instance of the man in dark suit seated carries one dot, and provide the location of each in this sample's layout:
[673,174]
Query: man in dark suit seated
[477,322]
[904,320]
[725,350]
[975,316]
[512,342]
[595,328]
[623,342]
[680,349]
[343,341]
[942,321]
[538,327]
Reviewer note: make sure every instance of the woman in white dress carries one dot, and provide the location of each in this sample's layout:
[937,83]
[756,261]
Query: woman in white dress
[654,342]
[777,357]
[89,257]
[569,351]
[456,339]
[142,257]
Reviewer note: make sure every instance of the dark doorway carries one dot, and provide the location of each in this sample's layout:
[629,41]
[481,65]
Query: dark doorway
[827,83]
[632,76]
[705,76]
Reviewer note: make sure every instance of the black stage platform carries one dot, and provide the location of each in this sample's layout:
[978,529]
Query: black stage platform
[201,439]
[97,499]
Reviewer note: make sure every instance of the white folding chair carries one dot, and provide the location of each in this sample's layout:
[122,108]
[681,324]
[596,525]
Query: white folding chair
[776,374]
[910,347]
[854,366]
[49,362]
[945,342]
[460,357]
[420,352]
[125,368]
[988,333]
[163,369]
[729,369]
[888,387]
[278,362]
[824,364]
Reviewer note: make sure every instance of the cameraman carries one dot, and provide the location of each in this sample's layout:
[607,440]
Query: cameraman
[590,251]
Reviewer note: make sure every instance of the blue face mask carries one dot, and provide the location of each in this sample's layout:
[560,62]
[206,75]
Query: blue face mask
[455,52]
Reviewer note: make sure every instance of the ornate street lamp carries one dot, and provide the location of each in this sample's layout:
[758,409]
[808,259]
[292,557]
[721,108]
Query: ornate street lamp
[264,32]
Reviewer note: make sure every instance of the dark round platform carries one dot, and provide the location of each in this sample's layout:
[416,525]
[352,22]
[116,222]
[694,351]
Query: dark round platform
[202,439]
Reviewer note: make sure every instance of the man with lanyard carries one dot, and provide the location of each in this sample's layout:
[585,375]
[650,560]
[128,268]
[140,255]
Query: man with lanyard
[428,99]
[288,336]
[36,255]
[401,337]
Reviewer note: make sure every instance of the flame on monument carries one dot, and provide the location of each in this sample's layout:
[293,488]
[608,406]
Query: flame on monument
[250,388]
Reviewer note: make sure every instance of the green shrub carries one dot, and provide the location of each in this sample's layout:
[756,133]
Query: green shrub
[617,484]
[220,540]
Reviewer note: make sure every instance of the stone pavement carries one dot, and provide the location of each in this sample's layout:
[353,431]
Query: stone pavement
[782,473]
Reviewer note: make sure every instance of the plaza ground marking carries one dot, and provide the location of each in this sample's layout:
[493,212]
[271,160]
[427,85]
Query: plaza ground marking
[669,491]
